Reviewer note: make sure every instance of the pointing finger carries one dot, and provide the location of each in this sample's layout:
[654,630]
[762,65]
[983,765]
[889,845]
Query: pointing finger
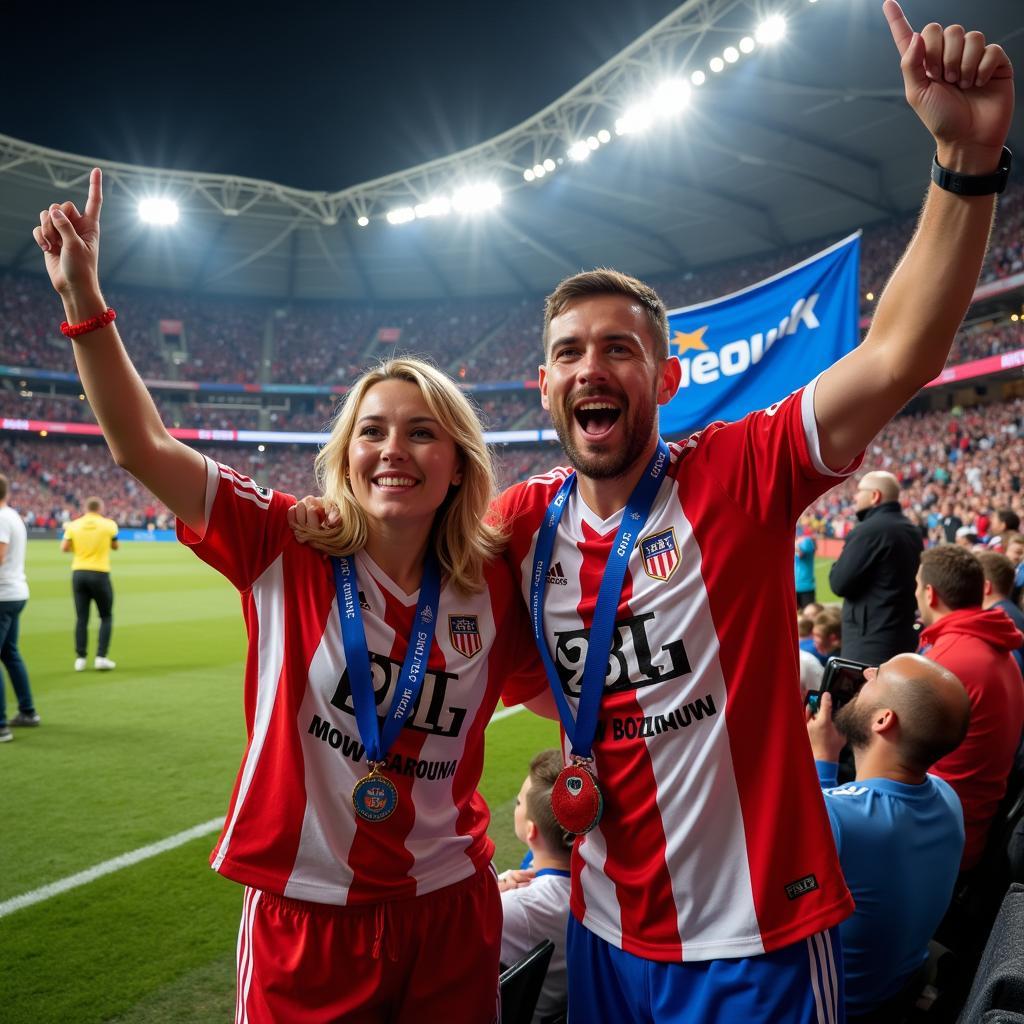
[95,200]
[898,25]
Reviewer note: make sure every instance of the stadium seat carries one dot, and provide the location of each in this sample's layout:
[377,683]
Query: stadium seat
[999,981]
[979,891]
[521,984]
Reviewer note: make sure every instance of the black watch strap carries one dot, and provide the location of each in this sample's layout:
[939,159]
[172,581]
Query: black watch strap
[973,184]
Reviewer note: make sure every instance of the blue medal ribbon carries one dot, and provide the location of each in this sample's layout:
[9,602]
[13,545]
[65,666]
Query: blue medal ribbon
[595,668]
[376,741]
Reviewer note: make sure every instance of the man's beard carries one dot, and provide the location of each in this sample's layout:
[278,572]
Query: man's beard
[853,722]
[639,428]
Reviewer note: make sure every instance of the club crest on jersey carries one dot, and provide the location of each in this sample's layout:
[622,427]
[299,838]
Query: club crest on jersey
[660,554]
[465,634]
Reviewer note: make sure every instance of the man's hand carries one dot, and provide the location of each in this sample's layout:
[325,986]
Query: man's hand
[311,516]
[71,241]
[826,740]
[960,88]
[518,878]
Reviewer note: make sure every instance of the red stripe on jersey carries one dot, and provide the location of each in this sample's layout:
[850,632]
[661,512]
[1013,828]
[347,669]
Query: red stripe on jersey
[771,759]
[632,801]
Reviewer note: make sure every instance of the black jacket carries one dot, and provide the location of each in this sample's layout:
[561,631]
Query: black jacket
[876,576]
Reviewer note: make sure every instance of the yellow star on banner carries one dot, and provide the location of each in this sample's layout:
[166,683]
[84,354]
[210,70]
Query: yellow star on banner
[682,343]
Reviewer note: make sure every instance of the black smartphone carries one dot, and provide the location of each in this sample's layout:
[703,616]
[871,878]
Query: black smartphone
[843,678]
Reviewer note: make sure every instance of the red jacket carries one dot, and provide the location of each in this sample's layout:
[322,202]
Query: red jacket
[976,646]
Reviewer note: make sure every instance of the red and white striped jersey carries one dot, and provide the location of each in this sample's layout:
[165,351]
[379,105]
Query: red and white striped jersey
[291,828]
[714,840]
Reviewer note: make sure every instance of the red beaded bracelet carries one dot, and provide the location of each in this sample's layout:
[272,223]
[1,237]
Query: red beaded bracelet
[94,323]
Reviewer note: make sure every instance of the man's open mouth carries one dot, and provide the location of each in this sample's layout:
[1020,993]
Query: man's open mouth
[596,416]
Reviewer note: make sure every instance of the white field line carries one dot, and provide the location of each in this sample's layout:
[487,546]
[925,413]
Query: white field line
[125,860]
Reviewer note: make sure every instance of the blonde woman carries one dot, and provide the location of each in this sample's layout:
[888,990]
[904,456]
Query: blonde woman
[354,825]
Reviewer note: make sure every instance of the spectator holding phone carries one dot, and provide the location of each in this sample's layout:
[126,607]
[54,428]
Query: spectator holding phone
[899,830]
[977,645]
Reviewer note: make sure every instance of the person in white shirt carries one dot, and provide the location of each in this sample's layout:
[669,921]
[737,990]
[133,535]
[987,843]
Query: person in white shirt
[13,597]
[535,901]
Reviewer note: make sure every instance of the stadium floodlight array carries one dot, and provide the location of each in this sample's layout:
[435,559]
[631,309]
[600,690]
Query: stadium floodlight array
[618,100]
[667,100]
[467,199]
[158,211]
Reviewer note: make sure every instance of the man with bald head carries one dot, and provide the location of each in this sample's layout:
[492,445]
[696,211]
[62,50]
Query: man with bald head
[899,830]
[875,574]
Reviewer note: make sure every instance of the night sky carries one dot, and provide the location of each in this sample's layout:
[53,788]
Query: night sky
[311,95]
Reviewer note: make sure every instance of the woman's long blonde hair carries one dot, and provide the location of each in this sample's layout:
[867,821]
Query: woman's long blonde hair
[463,538]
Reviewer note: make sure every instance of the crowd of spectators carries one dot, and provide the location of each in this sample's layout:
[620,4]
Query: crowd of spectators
[969,458]
[257,341]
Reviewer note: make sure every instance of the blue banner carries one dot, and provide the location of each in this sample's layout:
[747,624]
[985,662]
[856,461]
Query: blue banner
[747,350]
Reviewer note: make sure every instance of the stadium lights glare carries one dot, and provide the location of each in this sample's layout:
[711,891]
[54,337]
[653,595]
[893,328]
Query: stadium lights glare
[731,54]
[549,164]
[579,151]
[698,78]
[747,44]
[716,64]
[528,174]
[671,97]
[363,221]
[474,198]
[636,118]
[604,136]
[161,212]
[592,143]
[539,170]
[771,30]
[401,215]
[439,206]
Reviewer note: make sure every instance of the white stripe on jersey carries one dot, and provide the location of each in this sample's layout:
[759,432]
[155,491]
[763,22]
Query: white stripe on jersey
[437,812]
[321,870]
[268,600]
[243,979]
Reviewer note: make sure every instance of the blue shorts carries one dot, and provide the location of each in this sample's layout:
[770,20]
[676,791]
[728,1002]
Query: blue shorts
[799,984]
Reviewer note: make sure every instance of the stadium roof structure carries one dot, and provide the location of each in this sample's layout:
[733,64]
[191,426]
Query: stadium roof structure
[801,141]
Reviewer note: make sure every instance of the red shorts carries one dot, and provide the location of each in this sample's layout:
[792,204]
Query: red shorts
[429,958]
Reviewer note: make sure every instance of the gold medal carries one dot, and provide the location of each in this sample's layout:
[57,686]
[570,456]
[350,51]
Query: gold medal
[374,796]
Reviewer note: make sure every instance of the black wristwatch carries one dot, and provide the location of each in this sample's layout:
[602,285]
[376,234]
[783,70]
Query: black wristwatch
[973,184]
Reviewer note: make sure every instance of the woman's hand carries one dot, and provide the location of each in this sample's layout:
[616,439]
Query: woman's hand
[70,242]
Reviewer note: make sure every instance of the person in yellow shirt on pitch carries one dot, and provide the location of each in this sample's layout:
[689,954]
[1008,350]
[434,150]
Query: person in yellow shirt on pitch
[91,538]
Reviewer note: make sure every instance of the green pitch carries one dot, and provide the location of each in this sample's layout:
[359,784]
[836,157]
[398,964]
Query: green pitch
[125,759]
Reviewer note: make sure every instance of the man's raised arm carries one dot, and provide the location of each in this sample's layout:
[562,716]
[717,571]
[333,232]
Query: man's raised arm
[962,90]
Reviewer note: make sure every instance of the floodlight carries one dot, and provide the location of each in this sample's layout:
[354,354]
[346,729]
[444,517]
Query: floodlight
[747,44]
[473,198]
[549,165]
[539,170]
[528,174]
[592,143]
[716,64]
[401,215]
[363,221]
[771,30]
[698,78]
[636,118]
[161,212]
[604,136]
[731,54]
[439,206]
[579,151]
[671,97]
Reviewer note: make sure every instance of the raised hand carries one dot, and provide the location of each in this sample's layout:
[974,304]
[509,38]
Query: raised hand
[961,88]
[71,240]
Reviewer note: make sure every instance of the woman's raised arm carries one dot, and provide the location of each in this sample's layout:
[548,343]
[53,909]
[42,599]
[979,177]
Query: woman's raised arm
[131,424]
